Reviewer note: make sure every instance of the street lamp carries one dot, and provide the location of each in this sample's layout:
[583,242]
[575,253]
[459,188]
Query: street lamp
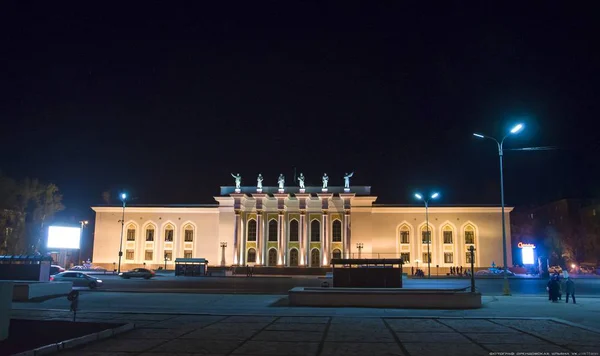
[516,129]
[223,246]
[426,201]
[83,225]
[359,246]
[123,199]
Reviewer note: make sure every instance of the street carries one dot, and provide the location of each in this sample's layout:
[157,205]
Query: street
[281,285]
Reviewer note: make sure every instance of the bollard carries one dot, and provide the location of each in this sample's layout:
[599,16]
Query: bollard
[73,297]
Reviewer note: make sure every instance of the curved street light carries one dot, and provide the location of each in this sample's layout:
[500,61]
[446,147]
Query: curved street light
[123,198]
[516,129]
[426,201]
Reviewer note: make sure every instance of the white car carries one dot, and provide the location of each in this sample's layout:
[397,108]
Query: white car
[78,279]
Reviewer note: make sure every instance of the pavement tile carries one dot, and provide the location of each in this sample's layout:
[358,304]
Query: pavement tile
[288,336]
[173,354]
[352,333]
[354,320]
[360,349]
[197,319]
[297,327]
[557,333]
[592,350]
[152,333]
[157,317]
[303,319]
[197,346]
[431,337]
[124,345]
[277,348]
[83,352]
[446,349]
[513,348]
[174,325]
[234,327]
[504,338]
[476,326]
[219,334]
[418,325]
[248,319]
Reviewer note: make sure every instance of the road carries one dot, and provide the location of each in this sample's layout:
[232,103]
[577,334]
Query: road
[281,285]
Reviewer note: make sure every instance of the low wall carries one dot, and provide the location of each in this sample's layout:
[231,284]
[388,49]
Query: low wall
[24,291]
[6,291]
[384,298]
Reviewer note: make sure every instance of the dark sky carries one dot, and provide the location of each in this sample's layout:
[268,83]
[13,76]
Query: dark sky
[166,99]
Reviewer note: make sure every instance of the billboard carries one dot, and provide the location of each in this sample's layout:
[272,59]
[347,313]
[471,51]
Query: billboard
[64,237]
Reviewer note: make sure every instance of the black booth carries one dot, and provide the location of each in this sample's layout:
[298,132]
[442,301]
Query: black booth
[367,273]
[190,266]
[25,267]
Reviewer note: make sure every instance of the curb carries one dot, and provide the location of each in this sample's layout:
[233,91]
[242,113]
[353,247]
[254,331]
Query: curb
[78,341]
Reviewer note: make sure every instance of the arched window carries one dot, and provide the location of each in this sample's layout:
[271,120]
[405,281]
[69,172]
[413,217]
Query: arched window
[315,258]
[337,231]
[469,235]
[294,230]
[448,238]
[293,257]
[189,233]
[336,253]
[273,230]
[150,233]
[131,232]
[169,233]
[404,235]
[315,230]
[251,231]
[426,235]
[272,257]
[251,256]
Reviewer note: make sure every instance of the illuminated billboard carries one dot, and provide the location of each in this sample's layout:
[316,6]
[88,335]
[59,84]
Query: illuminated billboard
[64,237]
[527,253]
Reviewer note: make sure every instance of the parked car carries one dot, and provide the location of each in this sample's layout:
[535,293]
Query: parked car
[138,273]
[56,269]
[78,279]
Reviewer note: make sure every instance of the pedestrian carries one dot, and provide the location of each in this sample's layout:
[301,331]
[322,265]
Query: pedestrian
[570,289]
[553,289]
[461,270]
[412,270]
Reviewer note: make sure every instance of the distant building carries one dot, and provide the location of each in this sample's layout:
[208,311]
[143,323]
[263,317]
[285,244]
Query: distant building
[298,228]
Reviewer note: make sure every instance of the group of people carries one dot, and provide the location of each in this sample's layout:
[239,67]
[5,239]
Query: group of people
[557,284]
[457,271]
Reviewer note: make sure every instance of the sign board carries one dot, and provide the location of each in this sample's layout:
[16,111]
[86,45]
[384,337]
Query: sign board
[524,245]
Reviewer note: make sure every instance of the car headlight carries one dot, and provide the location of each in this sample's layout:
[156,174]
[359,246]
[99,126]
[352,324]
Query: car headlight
[99,281]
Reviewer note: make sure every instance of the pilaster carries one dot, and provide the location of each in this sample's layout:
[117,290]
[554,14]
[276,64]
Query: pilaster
[325,235]
[281,229]
[304,244]
[260,229]
[346,238]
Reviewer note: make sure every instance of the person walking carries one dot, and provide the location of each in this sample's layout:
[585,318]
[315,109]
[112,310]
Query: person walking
[570,289]
[553,289]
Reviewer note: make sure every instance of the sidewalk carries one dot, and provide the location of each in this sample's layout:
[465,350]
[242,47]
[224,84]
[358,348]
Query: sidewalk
[168,334]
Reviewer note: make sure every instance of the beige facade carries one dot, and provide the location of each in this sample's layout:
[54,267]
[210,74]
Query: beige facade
[298,228]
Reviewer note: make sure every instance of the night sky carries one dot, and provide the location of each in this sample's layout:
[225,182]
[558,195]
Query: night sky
[167,100]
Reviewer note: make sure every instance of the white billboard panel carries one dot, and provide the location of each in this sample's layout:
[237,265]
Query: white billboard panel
[64,237]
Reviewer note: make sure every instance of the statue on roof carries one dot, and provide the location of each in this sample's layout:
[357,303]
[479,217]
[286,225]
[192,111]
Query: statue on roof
[325,180]
[281,181]
[259,181]
[301,181]
[347,180]
[238,180]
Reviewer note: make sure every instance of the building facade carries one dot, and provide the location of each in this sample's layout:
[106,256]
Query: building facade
[295,227]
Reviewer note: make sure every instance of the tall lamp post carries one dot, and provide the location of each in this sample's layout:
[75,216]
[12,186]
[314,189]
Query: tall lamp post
[83,225]
[426,201]
[223,246]
[517,128]
[359,247]
[123,199]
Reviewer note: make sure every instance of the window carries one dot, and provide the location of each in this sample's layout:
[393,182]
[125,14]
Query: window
[448,257]
[189,234]
[130,234]
[426,257]
[273,230]
[469,235]
[129,255]
[468,259]
[251,231]
[272,257]
[169,255]
[315,258]
[169,234]
[337,231]
[336,253]
[150,234]
[426,235]
[293,257]
[405,256]
[404,236]
[187,254]
[315,231]
[251,254]
[448,236]
[149,255]
[294,230]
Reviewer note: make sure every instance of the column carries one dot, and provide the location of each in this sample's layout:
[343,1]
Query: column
[259,235]
[242,260]
[325,236]
[302,238]
[236,236]
[346,232]
[280,238]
